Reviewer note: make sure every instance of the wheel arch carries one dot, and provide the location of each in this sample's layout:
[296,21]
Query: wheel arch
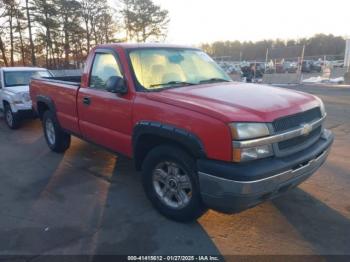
[43,104]
[149,134]
[5,102]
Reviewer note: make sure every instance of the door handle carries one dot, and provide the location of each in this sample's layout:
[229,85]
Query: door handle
[86,100]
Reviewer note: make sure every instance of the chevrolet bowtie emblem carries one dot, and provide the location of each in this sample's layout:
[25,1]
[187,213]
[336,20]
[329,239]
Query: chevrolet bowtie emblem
[306,129]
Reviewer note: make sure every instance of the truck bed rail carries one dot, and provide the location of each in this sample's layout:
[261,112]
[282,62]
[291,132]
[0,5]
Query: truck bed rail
[67,80]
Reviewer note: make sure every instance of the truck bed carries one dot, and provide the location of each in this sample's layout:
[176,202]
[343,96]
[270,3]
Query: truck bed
[68,80]
[62,91]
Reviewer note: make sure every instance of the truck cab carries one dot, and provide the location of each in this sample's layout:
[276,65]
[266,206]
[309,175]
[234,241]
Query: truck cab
[15,101]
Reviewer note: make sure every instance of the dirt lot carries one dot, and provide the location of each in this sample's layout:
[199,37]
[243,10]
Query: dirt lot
[90,202]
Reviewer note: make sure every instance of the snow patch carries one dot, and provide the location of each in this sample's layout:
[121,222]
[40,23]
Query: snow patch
[317,79]
[320,79]
[338,80]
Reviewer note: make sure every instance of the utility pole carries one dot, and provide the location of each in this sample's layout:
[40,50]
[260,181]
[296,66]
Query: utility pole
[347,55]
[301,64]
[266,59]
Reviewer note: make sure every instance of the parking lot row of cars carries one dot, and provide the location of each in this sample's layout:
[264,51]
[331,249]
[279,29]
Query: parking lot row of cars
[255,69]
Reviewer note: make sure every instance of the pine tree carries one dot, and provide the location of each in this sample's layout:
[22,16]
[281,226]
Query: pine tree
[45,15]
[10,7]
[69,19]
[144,19]
[29,24]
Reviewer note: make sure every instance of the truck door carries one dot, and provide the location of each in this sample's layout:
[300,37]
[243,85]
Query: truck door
[105,117]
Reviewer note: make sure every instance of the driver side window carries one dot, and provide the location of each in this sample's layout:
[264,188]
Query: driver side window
[104,66]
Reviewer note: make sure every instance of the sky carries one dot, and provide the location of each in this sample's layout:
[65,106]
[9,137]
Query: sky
[200,21]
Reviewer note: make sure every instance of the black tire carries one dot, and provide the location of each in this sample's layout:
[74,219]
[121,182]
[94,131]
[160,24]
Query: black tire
[12,119]
[168,153]
[61,141]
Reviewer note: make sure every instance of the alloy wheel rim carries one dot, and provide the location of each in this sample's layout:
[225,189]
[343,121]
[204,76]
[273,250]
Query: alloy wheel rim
[50,131]
[9,118]
[172,185]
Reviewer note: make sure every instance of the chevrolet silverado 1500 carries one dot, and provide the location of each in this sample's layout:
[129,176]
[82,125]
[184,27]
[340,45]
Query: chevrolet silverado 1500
[200,140]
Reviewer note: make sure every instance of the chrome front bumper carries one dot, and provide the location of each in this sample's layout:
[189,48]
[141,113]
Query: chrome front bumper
[21,107]
[230,195]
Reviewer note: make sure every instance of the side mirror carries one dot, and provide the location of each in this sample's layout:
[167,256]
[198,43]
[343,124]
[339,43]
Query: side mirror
[116,84]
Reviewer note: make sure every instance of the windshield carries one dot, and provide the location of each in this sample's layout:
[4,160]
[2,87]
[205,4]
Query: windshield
[22,78]
[164,68]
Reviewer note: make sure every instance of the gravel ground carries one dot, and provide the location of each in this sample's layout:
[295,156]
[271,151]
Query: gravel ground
[88,201]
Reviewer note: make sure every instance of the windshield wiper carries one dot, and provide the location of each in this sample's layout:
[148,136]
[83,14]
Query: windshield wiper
[173,83]
[211,80]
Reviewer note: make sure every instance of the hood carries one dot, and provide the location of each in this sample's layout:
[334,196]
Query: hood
[17,89]
[238,102]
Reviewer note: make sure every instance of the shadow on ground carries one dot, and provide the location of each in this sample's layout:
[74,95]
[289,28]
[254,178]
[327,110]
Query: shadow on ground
[323,227]
[86,201]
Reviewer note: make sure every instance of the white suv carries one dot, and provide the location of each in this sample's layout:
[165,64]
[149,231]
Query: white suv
[14,92]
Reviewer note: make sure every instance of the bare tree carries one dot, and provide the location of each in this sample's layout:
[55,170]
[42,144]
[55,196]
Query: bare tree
[19,29]
[55,32]
[2,33]
[3,51]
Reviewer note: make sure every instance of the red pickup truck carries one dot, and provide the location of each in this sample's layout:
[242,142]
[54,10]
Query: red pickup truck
[201,140]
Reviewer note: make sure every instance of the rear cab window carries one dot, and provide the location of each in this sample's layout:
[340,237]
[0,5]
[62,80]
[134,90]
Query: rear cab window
[104,66]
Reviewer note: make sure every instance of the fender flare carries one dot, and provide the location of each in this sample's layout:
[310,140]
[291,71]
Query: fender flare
[185,138]
[47,101]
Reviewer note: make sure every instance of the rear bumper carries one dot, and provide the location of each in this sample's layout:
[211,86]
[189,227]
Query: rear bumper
[236,187]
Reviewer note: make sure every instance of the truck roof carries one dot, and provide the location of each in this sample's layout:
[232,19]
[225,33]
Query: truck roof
[23,68]
[144,45]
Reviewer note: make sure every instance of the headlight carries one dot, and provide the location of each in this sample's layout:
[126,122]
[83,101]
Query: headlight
[21,98]
[248,154]
[242,131]
[18,99]
[26,97]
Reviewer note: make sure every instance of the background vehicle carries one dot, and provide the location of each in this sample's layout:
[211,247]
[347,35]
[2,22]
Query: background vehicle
[339,63]
[310,66]
[290,67]
[14,92]
[231,68]
[201,140]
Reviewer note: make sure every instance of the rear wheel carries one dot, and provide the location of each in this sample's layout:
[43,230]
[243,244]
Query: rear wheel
[170,182]
[11,119]
[57,140]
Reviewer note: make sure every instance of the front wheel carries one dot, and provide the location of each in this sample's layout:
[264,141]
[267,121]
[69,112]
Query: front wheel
[57,140]
[170,182]
[11,119]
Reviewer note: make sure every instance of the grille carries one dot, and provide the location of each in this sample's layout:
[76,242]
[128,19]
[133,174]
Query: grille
[293,121]
[297,141]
